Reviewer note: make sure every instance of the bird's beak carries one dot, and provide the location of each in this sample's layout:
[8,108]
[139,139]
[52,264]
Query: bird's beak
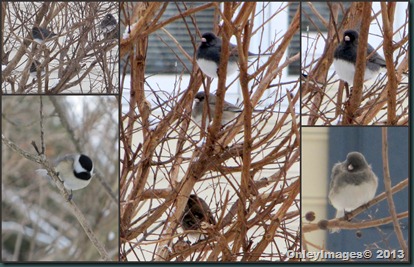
[196,100]
[347,39]
[203,40]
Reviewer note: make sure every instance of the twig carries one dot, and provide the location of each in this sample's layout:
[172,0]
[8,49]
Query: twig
[69,129]
[42,132]
[65,194]
[391,88]
[387,183]
[360,64]
[333,223]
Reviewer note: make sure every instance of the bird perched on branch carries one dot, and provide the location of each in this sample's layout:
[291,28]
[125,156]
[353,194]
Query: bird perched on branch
[41,35]
[345,58]
[209,52]
[109,26]
[197,214]
[74,170]
[353,184]
[229,110]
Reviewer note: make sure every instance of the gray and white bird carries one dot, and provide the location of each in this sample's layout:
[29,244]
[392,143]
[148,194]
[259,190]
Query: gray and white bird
[41,35]
[230,111]
[195,214]
[108,24]
[345,58]
[74,170]
[353,184]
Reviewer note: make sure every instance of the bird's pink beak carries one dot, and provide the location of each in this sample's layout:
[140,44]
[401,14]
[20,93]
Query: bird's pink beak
[203,40]
[347,38]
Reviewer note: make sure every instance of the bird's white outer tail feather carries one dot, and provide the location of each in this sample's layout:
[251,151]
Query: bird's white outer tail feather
[339,214]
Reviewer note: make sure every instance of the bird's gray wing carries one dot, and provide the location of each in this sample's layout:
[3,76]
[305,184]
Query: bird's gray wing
[66,157]
[375,58]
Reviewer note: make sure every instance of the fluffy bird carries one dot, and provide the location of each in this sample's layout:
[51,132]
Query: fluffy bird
[353,184]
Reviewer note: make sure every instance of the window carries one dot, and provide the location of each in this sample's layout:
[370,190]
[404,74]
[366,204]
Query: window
[163,55]
[294,46]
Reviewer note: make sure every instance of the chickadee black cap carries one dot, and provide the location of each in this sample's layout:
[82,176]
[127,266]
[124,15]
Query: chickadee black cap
[84,169]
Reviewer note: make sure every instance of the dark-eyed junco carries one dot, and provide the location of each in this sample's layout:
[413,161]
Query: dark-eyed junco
[35,67]
[195,214]
[74,170]
[109,26]
[353,184]
[345,58]
[229,110]
[41,35]
[208,55]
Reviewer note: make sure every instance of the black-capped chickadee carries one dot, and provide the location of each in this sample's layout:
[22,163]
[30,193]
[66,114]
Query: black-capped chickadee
[229,110]
[74,170]
[353,184]
[195,214]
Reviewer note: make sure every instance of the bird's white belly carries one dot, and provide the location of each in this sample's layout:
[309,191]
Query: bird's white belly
[70,181]
[210,68]
[75,184]
[351,197]
[346,71]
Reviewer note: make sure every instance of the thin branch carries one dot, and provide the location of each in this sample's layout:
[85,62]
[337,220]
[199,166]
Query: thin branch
[64,193]
[387,183]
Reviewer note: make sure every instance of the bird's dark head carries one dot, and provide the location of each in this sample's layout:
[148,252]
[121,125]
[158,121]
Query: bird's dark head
[355,161]
[208,39]
[350,36]
[200,96]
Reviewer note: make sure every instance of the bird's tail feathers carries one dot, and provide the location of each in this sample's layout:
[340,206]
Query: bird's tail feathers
[339,214]
[43,173]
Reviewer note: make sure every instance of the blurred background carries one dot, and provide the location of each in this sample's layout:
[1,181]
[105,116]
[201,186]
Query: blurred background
[37,224]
